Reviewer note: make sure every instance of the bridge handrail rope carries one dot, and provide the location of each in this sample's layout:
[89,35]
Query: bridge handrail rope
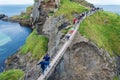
[60,53]
[56,58]
[25,76]
[35,66]
[27,72]
[62,50]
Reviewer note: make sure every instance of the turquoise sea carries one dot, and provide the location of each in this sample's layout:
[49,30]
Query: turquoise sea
[12,35]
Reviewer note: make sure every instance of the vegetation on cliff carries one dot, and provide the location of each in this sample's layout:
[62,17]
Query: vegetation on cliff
[11,75]
[104,29]
[36,45]
[68,8]
[84,3]
[116,78]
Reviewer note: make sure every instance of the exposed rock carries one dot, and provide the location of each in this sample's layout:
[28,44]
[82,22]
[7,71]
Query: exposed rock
[84,61]
[22,22]
[117,67]
[51,29]
[26,22]
[18,61]
[40,12]
[26,62]
[3,17]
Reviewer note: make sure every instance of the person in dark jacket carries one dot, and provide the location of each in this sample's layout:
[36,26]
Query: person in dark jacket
[47,60]
[68,36]
[42,63]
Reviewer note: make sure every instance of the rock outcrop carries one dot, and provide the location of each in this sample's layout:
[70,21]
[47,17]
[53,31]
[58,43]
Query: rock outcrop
[3,17]
[51,29]
[84,61]
[26,62]
[40,13]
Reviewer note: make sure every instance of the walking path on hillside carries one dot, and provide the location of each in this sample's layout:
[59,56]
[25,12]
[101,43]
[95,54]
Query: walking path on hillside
[61,52]
[56,57]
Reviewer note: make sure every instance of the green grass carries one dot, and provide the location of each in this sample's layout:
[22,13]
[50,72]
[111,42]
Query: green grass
[11,75]
[24,17]
[68,8]
[116,78]
[104,29]
[27,13]
[36,45]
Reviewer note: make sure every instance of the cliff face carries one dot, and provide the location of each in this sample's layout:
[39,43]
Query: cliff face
[41,10]
[84,61]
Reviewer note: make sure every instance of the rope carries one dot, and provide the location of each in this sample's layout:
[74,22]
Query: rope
[51,51]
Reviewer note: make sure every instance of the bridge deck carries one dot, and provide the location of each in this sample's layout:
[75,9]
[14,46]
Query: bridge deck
[59,55]
[61,52]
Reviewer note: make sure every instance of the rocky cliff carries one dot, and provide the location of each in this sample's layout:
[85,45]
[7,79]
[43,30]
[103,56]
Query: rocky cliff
[83,60]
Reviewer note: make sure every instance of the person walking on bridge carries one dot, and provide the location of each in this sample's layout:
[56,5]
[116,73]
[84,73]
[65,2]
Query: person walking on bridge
[47,60]
[71,30]
[42,63]
[74,20]
[68,36]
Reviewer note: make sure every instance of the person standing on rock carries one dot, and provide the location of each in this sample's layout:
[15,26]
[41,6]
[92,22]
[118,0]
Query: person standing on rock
[47,60]
[42,63]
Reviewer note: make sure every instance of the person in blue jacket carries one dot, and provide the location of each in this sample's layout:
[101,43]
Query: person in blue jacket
[42,63]
[47,60]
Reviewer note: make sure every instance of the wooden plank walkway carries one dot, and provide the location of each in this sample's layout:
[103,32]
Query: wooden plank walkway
[59,54]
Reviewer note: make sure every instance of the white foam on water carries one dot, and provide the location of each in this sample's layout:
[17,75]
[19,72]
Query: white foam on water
[4,39]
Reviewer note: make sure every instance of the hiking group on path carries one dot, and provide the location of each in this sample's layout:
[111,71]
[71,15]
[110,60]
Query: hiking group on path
[45,63]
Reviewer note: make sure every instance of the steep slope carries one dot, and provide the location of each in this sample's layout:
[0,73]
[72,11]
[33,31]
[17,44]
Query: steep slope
[84,60]
[104,29]
[69,9]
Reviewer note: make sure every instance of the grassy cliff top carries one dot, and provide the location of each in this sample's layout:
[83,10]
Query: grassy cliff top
[68,8]
[104,29]
[36,45]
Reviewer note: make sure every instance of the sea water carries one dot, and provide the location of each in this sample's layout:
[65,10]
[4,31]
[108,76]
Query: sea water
[12,35]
